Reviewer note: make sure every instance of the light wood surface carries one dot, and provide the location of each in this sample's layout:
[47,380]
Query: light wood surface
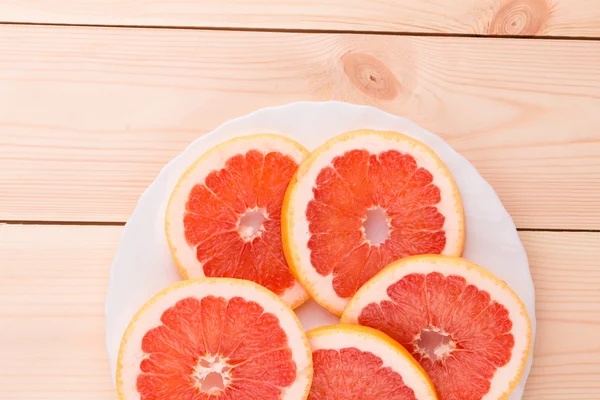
[485,17]
[566,276]
[88,116]
[53,281]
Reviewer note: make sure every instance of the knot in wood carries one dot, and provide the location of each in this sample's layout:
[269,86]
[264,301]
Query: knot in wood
[370,76]
[520,18]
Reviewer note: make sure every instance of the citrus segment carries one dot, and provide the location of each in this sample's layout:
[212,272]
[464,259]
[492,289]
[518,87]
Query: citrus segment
[224,216]
[217,339]
[468,330]
[361,201]
[355,363]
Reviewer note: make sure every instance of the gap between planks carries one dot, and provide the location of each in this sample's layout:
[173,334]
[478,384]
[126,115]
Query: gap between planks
[119,223]
[471,17]
[304,31]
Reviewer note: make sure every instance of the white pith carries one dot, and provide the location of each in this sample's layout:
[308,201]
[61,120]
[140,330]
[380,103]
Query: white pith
[336,339]
[442,350]
[386,225]
[320,287]
[375,291]
[215,159]
[215,364]
[131,354]
[247,233]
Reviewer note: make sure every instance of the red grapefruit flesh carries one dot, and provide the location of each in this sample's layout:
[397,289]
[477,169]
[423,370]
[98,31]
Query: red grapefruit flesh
[355,363]
[224,216]
[361,201]
[214,339]
[468,329]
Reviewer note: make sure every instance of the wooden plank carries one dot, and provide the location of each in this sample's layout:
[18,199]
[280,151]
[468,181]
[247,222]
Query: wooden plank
[485,17]
[52,292]
[53,281]
[566,275]
[88,116]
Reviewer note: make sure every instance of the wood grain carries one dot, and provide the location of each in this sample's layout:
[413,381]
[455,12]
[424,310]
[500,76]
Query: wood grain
[53,281]
[88,116]
[564,266]
[484,17]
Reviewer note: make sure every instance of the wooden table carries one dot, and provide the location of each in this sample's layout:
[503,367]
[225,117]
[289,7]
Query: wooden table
[97,95]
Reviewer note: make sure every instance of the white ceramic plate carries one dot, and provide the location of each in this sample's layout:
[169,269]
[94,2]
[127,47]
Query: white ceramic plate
[143,264]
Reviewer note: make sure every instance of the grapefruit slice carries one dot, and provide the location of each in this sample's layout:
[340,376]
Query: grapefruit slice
[355,363]
[361,201]
[214,339]
[224,216]
[468,329]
